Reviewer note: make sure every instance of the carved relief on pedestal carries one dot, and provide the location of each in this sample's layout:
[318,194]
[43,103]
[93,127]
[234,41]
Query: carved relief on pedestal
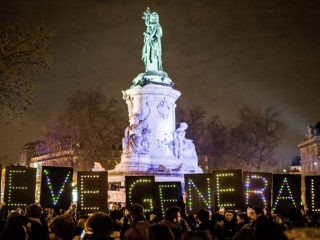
[129,100]
[163,146]
[136,135]
[163,109]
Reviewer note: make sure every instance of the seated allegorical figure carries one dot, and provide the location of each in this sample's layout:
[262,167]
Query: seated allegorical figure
[182,147]
[135,139]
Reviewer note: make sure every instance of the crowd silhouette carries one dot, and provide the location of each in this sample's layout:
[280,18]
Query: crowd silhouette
[122,223]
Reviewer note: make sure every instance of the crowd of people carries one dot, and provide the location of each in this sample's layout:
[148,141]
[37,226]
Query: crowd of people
[120,223]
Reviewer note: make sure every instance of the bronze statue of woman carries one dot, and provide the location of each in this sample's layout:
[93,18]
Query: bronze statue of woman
[151,52]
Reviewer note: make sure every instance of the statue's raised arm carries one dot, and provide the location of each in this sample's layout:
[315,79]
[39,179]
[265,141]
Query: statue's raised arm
[151,52]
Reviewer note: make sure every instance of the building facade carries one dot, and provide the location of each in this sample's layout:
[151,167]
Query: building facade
[310,155]
[310,151]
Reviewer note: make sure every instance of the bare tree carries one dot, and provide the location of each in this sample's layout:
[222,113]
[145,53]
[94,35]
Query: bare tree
[250,144]
[24,52]
[91,124]
[254,139]
[216,143]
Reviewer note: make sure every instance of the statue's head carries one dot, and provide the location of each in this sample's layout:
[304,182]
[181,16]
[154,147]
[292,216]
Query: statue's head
[181,131]
[183,126]
[154,17]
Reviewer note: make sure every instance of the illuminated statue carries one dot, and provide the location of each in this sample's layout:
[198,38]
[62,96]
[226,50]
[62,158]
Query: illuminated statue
[310,132]
[151,52]
[135,140]
[152,144]
[183,148]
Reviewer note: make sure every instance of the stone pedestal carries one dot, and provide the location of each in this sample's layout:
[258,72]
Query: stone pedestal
[133,163]
[152,144]
[153,108]
[119,176]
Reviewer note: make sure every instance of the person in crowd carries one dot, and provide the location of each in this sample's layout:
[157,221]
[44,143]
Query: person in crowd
[197,235]
[229,225]
[308,216]
[13,213]
[254,213]
[296,219]
[218,223]
[138,224]
[173,220]
[269,230]
[126,221]
[56,211]
[62,227]
[117,217]
[116,206]
[38,230]
[261,220]
[82,221]
[153,218]
[160,232]
[3,212]
[242,219]
[79,228]
[247,230]
[98,227]
[203,217]
[15,228]
[315,220]
[191,221]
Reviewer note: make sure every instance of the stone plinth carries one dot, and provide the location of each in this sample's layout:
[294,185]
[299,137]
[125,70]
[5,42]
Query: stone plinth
[152,145]
[119,176]
[151,111]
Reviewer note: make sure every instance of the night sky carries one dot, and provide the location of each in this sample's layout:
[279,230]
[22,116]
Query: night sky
[222,54]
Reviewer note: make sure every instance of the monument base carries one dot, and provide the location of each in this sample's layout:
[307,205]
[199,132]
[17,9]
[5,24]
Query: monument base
[161,175]
[115,176]
[133,163]
[152,77]
[118,178]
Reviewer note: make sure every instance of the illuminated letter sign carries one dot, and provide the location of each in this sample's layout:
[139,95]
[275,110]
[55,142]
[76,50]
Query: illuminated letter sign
[198,188]
[169,194]
[56,189]
[20,186]
[257,189]
[92,191]
[228,188]
[313,193]
[286,192]
[141,190]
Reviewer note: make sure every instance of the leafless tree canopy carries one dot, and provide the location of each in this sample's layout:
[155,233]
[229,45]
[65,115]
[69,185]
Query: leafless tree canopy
[24,52]
[91,123]
[254,139]
[249,143]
